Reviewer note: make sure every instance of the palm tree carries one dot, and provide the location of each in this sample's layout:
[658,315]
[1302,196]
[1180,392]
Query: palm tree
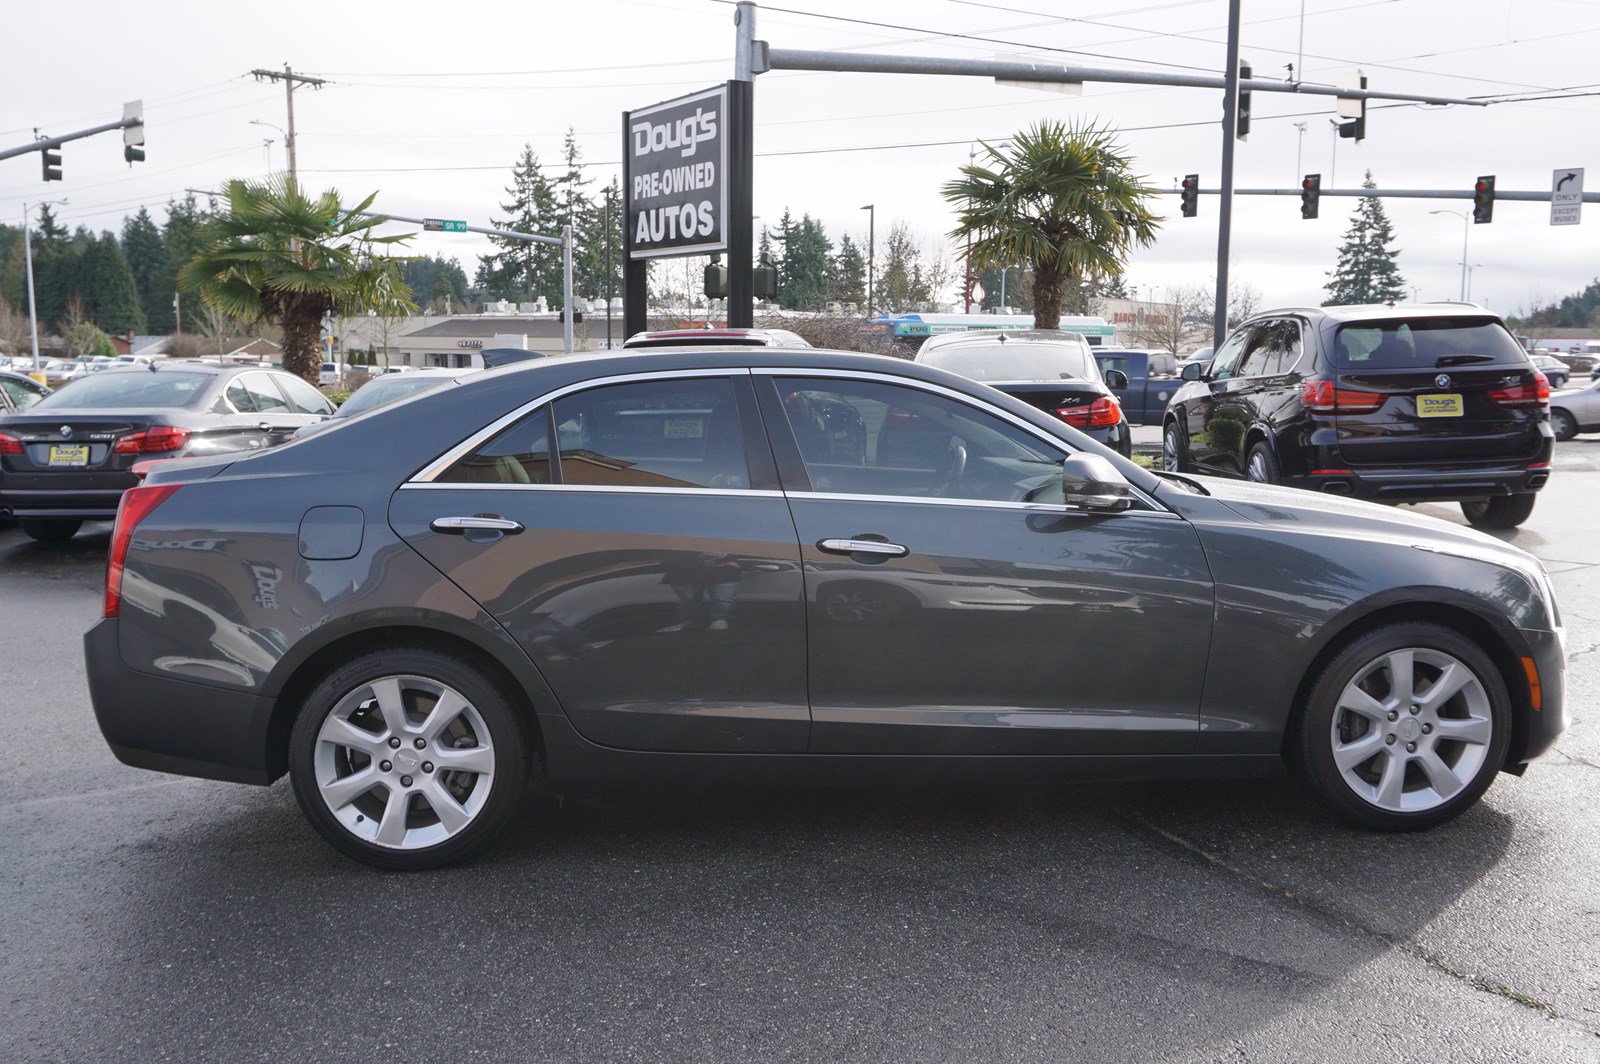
[1060,198]
[277,255]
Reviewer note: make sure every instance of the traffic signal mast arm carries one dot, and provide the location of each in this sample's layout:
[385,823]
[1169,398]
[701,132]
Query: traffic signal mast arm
[49,143]
[1542,196]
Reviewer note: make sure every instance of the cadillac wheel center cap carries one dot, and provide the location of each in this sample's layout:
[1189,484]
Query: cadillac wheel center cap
[1409,729]
[406,759]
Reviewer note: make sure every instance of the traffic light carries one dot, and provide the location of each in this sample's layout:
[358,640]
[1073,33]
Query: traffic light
[1483,200]
[1191,195]
[1356,111]
[765,282]
[716,285]
[52,165]
[133,135]
[1242,124]
[1310,195]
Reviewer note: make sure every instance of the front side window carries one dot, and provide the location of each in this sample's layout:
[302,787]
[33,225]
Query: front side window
[1222,367]
[864,438]
[653,434]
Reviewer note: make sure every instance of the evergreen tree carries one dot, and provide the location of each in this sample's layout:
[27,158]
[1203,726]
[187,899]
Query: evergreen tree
[146,252]
[183,239]
[805,282]
[586,216]
[590,241]
[849,273]
[1366,271]
[521,270]
[432,280]
[903,284]
[108,289]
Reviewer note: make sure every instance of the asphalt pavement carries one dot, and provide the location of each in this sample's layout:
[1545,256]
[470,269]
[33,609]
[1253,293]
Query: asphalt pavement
[147,917]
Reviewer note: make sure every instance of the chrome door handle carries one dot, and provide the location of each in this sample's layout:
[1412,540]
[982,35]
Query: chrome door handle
[263,426]
[863,546]
[459,525]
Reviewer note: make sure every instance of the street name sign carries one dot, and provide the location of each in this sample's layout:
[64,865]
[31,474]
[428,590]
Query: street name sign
[1566,196]
[444,225]
[675,168]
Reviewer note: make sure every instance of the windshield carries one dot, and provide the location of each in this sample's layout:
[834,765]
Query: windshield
[386,391]
[1016,362]
[1424,343]
[130,388]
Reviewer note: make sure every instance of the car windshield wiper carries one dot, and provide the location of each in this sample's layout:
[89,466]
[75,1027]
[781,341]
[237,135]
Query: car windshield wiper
[1456,360]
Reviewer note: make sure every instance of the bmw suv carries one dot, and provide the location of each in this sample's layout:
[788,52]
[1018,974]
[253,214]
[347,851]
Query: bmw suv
[1392,404]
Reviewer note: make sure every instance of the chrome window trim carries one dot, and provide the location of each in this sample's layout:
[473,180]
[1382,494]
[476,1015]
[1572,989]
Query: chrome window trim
[1058,509]
[605,489]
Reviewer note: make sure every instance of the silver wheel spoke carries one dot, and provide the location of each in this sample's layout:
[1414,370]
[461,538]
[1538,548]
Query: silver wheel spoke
[1391,783]
[392,829]
[1476,730]
[341,732]
[341,792]
[391,704]
[445,807]
[1440,775]
[444,712]
[1449,683]
[1352,755]
[1402,675]
[1358,701]
[479,759]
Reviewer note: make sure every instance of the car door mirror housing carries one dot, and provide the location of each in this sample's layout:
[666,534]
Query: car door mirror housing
[1091,482]
[1192,371]
[1116,379]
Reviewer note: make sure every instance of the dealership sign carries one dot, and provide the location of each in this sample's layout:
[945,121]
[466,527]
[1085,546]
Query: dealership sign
[675,160]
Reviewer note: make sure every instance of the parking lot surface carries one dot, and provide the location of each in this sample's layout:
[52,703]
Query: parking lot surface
[147,917]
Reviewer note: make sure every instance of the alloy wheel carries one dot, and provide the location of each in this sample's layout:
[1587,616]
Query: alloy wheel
[404,762]
[1169,451]
[1412,730]
[1257,468]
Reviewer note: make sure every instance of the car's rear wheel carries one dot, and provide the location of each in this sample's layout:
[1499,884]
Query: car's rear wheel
[1404,729]
[49,530]
[408,758]
[1172,449]
[1563,424]
[1262,465]
[1502,511]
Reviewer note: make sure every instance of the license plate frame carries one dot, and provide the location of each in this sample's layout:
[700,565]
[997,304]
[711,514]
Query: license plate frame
[1440,404]
[67,456]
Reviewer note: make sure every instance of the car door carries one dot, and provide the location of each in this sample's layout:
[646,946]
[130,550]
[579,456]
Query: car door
[276,418]
[1200,410]
[1236,401]
[948,613]
[647,562]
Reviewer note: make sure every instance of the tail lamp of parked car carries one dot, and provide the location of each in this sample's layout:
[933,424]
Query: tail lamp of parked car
[136,505]
[157,439]
[1322,395]
[10,444]
[1098,414]
[1533,395]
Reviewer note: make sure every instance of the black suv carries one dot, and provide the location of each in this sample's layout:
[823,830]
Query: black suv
[1392,404]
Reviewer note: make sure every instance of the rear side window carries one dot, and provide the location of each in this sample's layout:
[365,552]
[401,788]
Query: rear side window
[519,455]
[307,398]
[22,395]
[1424,343]
[653,434]
[264,394]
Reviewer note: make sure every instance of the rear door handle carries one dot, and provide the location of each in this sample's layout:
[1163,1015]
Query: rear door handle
[461,525]
[863,546]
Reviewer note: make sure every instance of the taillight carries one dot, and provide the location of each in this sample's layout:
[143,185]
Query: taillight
[154,440]
[1098,414]
[10,444]
[1535,393]
[1324,396]
[136,505]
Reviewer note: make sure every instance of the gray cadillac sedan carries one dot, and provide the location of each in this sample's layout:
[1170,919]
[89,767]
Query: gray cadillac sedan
[765,561]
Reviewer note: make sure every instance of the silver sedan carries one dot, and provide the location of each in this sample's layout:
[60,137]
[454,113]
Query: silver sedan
[1575,411]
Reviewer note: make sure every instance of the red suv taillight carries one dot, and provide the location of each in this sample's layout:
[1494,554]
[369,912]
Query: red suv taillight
[1536,393]
[10,444]
[136,505]
[1324,396]
[154,440]
[1098,414]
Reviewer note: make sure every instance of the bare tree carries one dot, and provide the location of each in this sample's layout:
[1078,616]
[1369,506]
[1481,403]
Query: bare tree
[1166,329]
[15,336]
[217,328]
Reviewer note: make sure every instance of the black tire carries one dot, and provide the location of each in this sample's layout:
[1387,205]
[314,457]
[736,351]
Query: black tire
[1309,751]
[500,711]
[49,530]
[1268,464]
[1563,424]
[1173,444]
[1501,511]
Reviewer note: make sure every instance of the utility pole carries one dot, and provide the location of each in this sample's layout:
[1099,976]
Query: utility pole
[608,267]
[872,251]
[1230,115]
[291,81]
[177,312]
[1299,146]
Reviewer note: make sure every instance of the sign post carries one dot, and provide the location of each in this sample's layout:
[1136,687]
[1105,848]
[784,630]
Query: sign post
[676,186]
[1566,196]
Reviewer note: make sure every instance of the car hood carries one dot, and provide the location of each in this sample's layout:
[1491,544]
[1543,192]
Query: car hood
[1308,511]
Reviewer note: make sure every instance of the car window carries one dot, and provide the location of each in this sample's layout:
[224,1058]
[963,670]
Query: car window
[519,455]
[388,390]
[130,389]
[264,394]
[655,434]
[240,397]
[1259,353]
[22,394]
[306,398]
[1222,367]
[1291,346]
[1425,343]
[1016,360]
[865,438]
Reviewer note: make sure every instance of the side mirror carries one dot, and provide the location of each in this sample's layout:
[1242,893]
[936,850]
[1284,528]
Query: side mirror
[1091,482]
[1191,371]
[1116,380]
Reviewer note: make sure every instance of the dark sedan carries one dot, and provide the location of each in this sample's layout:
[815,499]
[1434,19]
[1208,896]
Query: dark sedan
[696,562]
[68,458]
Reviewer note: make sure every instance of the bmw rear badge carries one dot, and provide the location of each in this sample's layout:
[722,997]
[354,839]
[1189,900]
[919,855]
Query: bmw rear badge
[66,430]
[1442,380]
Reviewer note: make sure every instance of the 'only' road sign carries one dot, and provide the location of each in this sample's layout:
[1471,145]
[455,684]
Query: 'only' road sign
[1566,196]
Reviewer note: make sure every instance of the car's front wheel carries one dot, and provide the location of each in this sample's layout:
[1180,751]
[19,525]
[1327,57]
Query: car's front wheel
[49,530]
[1501,511]
[1404,729]
[408,758]
[1172,449]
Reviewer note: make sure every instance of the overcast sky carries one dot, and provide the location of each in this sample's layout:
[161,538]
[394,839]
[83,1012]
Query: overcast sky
[428,104]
